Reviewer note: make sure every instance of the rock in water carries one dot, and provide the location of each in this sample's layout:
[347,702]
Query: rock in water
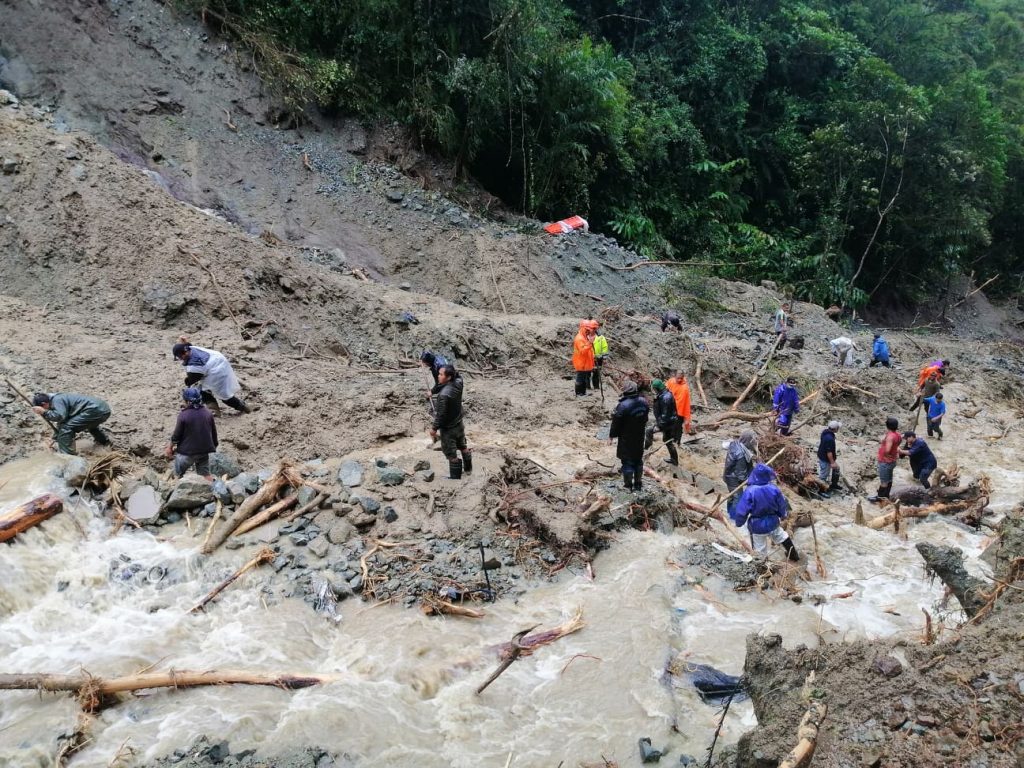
[143,506]
[350,474]
[75,471]
[713,686]
[324,600]
[191,492]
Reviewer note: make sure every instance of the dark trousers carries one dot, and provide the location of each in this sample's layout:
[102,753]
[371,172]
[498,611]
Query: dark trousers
[582,382]
[875,361]
[924,473]
[453,440]
[595,375]
[935,425]
[65,437]
[672,434]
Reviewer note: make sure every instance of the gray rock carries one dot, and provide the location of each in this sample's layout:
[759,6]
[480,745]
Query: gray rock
[395,195]
[75,471]
[143,505]
[151,478]
[368,503]
[341,510]
[306,495]
[163,304]
[221,491]
[356,583]
[236,491]
[427,475]
[350,474]
[79,172]
[6,97]
[390,515]
[192,491]
[340,532]
[887,666]
[649,754]
[250,482]
[209,510]
[319,546]
[390,476]
[234,544]
[10,165]
[223,464]
[324,519]
[363,520]
[421,465]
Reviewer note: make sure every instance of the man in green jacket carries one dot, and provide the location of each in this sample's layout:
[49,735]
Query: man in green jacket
[600,353]
[72,414]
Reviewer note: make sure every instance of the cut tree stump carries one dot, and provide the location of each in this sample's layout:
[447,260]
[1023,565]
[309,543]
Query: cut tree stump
[27,515]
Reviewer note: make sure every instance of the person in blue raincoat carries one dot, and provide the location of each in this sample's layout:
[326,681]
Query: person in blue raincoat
[762,508]
[786,404]
[879,352]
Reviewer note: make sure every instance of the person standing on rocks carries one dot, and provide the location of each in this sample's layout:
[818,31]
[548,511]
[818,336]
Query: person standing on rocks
[72,413]
[670,318]
[680,390]
[194,437]
[212,372]
[782,322]
[922,460]
[786,404]
[629,421]
[667,419]
[448,422]
[879,352]
[933,416]
[739,463]
[583,355]
[762,508]
[888,455]
[828,467]
[600,353]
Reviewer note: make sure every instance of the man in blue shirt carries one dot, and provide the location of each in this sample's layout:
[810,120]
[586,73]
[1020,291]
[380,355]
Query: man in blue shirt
[879,352]
[936,410]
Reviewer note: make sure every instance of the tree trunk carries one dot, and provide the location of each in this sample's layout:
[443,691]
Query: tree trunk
[27,515]
[948,564]
[285,475]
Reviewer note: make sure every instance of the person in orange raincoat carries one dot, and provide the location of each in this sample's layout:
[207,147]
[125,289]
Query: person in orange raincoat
[929,381]
[680,390]
[583,355]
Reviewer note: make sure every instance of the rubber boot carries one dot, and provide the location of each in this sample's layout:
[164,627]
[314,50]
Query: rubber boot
[638,483]
[835,482]
[99,436]
[627,480]
[467,462]
[237,404]
[673,455]
[455,469]
[791,552]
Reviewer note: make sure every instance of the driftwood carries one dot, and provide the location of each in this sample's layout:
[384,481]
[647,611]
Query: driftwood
[698,371]
[286,475]
[516,650]
[948,564]
[530,643]
[807,733]
[438,607]
[901,512]
[267,514]
[320,499]
[265,556]
[95,692]
[29,514]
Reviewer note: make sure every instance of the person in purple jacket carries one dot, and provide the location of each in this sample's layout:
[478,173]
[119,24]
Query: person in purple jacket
[762,508]
[194,437]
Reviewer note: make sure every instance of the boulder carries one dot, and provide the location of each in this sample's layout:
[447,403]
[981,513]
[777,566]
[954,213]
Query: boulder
[223,464]
[143,506]
[75,471]
[427,475]
[340,532]
[191,491]
[350,473]
[306,495]
[390,476]
[368,503]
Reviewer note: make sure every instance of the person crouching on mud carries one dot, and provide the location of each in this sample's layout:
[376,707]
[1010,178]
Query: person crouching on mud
[448,422]
[629,421]
[211,371]
[72,413]
[762,507]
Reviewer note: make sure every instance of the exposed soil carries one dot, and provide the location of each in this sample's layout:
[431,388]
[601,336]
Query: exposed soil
[131,213]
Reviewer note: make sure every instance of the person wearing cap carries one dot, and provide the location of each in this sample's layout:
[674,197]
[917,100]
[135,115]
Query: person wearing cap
[194,437]
[600,353]
[680,390]
[583,355]
[740,459]
[842,347]
[670,318]
[828,468]
[433,362]
[667,419]
[72,413]
[879,352]
[933,416]
[629,420]
[762,508]
[888,455]
[786,404]
[922,460]
[211,372]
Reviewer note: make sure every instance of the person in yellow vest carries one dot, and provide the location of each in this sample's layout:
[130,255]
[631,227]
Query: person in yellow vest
[600,353]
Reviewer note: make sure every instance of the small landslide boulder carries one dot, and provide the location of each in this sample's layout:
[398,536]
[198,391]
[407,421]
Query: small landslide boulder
[350,474]
[191,491]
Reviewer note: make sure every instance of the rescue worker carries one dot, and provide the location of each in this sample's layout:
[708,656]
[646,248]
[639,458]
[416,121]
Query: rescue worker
[936,369]
[72,413]
[782,322]
[211,371]
[194,437]
[841,348]
[888,455]
[670,318]
[629,420]
[600,353]
[448,421]
[786,404]
[879,352]
[739,463]
[828,467]
[680,390]
[433,362]
[922,460]
[930,388]
[583,356]
[933,416]
[762,508]
[667,419]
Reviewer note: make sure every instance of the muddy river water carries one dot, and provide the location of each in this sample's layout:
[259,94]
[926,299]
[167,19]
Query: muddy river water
[405,683]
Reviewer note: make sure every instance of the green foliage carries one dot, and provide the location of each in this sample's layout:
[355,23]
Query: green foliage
[851,150]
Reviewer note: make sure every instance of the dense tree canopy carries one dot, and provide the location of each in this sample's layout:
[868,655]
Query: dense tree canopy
[855,150]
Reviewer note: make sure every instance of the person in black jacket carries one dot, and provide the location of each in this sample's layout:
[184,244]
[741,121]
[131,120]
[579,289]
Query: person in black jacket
[194,437]
[448,421]
[629,419]
[922,460]
[828,467]
[667,419]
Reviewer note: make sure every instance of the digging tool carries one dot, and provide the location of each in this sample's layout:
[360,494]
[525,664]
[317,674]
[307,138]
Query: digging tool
[430,400]
[28,402]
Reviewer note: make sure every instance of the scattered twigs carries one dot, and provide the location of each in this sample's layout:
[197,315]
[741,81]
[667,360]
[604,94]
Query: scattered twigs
[515,652]
[698,371]
[23,396]
[818,562]
[305,162]
[433,606]
[546,637]
[27,515]
[807,733]
[227,120]
[216,286]
[94,692]
[321,498]
[760,372]
[929,634]
[213,524]
[265,555]
[718,730]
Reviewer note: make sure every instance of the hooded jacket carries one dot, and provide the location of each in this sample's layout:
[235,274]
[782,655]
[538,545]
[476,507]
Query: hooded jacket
[681,392]
[583,349]
[76,408]
[762,506]
[786,400]
[739,461]
[880,350]
[665,415]
[629,419]
[448,403]
[927,372]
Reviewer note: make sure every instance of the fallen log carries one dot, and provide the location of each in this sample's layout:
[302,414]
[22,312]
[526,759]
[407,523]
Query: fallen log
[267,514]
[807,733]
[916,496]
[437,607]
[286,475]
[265,556]
[29,514]
[94,692]
[948,564]
[516,650]
[902,512]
